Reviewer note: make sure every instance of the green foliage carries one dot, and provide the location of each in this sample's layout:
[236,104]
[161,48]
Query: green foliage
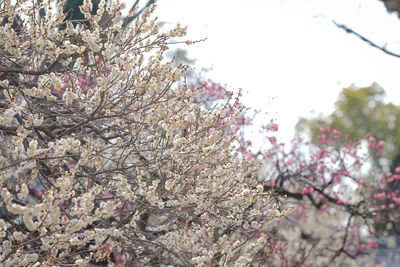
[359,111]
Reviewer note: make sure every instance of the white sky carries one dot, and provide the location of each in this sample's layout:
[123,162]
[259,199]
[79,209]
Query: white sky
[288,55]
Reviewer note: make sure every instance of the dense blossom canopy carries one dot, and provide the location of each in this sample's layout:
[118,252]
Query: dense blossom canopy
[104,158]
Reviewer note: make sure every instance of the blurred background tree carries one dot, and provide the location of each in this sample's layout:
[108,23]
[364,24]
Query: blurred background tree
[359,111]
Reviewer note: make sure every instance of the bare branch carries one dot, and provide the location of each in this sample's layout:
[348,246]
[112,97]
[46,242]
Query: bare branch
[350,31]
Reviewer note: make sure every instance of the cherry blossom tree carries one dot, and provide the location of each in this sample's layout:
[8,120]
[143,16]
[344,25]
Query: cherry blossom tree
[107,159]
[338,198]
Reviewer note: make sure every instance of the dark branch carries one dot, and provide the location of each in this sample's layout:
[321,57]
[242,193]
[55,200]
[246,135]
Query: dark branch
[128,20]
[283,192]
[350,31]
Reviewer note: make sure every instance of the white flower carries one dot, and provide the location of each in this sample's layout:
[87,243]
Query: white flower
[23,191]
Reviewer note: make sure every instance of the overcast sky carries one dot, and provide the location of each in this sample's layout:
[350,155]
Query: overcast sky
[288,55]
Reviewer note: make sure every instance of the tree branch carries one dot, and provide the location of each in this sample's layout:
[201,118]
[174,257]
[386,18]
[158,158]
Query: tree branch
[128,20]
[350,31]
